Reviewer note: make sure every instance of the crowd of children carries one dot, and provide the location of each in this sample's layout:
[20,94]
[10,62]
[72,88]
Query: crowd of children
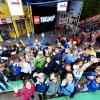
[60,69]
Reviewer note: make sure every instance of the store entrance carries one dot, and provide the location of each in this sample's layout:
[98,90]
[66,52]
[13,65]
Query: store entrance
[7,31]
[21,27]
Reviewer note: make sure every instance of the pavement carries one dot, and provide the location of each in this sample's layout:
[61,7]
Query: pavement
[24,38]
[8,96]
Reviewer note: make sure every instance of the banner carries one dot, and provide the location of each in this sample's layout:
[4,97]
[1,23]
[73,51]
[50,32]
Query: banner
[15,7]
[62,6]
[44,18]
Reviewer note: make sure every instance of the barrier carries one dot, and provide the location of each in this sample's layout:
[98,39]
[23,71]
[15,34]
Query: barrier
[79,96]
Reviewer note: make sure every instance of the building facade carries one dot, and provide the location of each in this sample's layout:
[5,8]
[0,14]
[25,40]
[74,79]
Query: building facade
[14,26]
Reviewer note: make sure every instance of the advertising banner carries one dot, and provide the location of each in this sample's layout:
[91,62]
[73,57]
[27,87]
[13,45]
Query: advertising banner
[15,7]
[44,18]
[62,6]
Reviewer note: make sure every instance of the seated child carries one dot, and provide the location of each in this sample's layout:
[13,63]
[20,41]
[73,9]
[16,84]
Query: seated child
[68,85]
[39,61]
[27,92]
[49,66]
[79,67]
[93,82]
[67,68]
[41,84]
[25,68]
[54,83]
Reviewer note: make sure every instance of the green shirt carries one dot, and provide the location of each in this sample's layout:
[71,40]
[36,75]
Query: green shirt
[39,62]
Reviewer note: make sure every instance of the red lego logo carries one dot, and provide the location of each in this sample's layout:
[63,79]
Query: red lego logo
[36,19]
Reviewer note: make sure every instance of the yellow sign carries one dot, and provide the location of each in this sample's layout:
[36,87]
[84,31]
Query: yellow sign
[4,12]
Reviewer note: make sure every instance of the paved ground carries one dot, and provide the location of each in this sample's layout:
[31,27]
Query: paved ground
[36,36]
[8,96]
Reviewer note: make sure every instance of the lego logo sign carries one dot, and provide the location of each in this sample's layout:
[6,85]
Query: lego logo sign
[46,19]
[36,20]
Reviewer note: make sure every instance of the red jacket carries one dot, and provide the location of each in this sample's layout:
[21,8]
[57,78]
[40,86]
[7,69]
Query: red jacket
[26,93]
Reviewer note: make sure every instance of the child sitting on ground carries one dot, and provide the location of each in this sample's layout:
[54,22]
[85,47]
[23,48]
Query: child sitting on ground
[93,82]
[67,68]
[41,84]
[54,83]
[27,92]
[68,85]
[79,67]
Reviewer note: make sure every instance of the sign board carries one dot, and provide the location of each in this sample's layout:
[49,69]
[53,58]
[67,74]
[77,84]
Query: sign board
[44,18]
[15,7]
[62,6]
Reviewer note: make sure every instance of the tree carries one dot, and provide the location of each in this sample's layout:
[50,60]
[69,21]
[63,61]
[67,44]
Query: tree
[90,8]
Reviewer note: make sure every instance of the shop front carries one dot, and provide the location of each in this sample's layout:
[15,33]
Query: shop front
[6,25]
[6,28]
[14,26]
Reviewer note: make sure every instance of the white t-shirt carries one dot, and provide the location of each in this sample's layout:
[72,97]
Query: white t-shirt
[25,67]
[77,73]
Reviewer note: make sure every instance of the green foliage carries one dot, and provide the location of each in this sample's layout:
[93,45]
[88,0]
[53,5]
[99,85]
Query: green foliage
[90,8]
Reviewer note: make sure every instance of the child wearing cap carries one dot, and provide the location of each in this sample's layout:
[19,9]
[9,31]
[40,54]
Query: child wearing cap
[41,84]
[93,82]
[39,61]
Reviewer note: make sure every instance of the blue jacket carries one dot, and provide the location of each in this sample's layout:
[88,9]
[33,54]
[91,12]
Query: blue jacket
[93,85]
[41,87]
[15,69]
[69,58]
[57,57]
[67,89]
[86,58]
